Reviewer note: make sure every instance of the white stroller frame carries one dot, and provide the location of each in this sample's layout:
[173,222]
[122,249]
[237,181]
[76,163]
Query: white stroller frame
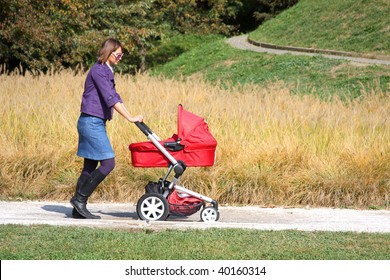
[154,206]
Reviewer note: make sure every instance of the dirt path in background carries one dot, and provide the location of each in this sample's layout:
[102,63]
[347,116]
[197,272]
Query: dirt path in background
[241,42]
[124,216]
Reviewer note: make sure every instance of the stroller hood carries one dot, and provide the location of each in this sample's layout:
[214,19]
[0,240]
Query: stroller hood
[194,131]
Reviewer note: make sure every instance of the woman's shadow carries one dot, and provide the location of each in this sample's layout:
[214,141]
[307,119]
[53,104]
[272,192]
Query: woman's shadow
[67,211]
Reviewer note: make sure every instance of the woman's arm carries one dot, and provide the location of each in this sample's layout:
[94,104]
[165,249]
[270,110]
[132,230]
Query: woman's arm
[121,109]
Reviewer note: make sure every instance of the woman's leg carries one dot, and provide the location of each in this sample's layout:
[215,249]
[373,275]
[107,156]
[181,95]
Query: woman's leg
[106,166]
[79,201]
[89,166]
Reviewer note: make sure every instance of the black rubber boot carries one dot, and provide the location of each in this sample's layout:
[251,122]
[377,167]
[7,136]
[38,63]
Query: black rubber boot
[79,200]
[83,179]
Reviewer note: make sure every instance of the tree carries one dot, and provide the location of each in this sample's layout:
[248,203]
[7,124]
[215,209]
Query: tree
[39,36]
[255,12]
[63,33]
[197,16]
[66,33]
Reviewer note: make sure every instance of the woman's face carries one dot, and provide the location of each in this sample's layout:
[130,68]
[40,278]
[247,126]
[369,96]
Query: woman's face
[115,56]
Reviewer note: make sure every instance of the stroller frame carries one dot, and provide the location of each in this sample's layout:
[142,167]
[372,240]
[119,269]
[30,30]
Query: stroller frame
[157,201]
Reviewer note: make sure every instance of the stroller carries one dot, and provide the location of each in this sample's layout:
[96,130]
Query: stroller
[192,146]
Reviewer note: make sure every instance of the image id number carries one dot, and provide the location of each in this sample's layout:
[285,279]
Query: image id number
[242,271]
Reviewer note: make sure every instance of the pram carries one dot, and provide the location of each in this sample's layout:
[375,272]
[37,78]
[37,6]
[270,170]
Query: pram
[192,146]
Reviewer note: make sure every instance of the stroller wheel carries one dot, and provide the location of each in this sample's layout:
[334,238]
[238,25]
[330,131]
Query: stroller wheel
[209,214]
[152,207]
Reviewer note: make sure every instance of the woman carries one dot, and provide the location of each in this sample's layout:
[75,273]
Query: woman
[98,102]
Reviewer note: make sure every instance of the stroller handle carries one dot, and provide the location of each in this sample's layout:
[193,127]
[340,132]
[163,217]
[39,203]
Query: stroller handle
[144,128]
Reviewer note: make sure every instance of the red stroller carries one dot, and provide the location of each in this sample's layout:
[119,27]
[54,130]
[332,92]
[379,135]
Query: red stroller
[192,146]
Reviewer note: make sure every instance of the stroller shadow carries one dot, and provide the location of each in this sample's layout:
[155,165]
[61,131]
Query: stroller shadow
[67,211]
[121,214]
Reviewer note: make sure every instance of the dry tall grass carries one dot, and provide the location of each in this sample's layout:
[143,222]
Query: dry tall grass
[273,148]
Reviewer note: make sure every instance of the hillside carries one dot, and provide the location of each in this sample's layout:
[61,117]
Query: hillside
[348,25]
[221,64]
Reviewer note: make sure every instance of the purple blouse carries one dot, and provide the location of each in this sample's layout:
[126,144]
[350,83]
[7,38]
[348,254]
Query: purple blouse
[100,94]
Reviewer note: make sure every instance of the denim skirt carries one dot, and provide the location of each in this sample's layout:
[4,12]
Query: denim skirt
[93,140]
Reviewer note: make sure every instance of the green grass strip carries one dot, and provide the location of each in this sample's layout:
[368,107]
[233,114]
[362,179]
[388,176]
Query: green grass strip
[43,242]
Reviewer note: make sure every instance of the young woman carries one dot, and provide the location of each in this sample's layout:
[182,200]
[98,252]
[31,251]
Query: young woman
[98,103]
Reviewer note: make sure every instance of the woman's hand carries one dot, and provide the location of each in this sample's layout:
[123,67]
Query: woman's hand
[138,118]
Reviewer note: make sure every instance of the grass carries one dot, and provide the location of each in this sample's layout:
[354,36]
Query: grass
[171,47]
[361,26]
[70,243]
[274,148]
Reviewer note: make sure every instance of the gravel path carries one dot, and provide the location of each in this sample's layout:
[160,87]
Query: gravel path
[241,42]
[118,215]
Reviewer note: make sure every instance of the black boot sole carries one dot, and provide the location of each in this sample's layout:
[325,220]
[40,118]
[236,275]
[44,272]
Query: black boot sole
[76,215]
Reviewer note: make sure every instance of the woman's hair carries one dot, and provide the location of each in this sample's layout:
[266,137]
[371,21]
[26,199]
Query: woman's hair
[108,46]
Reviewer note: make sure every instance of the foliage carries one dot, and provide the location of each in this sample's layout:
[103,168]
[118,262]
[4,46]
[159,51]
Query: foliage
[198,16]
[133,24]
[67,33]
[254,12]
[63,33]
[41,36]
[269,8]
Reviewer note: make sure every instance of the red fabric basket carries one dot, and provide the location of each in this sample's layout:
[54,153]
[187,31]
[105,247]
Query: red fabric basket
[183,206]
